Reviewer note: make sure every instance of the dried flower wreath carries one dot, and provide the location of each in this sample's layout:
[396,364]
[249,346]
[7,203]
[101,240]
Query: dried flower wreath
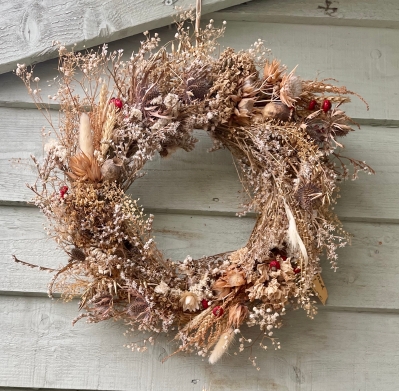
[117,114]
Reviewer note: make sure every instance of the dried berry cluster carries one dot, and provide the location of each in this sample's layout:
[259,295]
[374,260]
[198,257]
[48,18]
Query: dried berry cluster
[117,114]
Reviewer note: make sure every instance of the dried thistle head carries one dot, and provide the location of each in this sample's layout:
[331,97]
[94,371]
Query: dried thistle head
[290,88]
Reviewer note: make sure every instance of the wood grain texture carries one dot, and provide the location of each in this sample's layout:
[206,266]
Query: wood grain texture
[29,27]
[368,13]
[343,351]
[202,182]
[367,272]
[363,59]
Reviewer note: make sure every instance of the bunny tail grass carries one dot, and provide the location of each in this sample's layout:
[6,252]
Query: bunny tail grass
[222,345]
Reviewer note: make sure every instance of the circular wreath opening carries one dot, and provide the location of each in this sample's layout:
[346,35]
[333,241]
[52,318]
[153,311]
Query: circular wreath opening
[283,134]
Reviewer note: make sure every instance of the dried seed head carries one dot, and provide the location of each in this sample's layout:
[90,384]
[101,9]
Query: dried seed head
[307,194]
[272,71]
[198,87]
[290,88]
[78,254]
[84,167]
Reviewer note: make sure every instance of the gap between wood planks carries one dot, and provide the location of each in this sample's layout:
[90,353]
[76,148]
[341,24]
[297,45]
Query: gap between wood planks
[321,308]
[215,213]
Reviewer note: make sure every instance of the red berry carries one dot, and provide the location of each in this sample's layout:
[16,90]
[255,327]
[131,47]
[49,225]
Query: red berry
[63,191]
[218,311]
[326,105]
[116,102]
[297,270]
[274,264]
[204,304]
[312,105]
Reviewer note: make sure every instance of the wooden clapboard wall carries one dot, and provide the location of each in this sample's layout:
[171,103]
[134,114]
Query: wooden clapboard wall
[352,343]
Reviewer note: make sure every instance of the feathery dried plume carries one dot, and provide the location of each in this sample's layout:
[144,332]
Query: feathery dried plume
[222,346]
[294,240]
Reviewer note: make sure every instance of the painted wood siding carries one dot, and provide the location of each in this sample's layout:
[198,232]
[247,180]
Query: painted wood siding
[352,344]
[29,27]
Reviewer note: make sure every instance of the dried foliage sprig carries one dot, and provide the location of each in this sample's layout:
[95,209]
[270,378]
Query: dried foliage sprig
[117,114]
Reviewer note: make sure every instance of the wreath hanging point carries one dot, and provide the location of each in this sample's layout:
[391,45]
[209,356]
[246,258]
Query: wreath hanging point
[117,114]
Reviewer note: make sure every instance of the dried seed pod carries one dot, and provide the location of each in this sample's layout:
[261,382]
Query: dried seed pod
[111,169]
[276,110]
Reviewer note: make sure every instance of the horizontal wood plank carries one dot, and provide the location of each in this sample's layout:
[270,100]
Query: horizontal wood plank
[367,13]
[366,277]
[29,28]
[363,59]
[337,350]
[202,182]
